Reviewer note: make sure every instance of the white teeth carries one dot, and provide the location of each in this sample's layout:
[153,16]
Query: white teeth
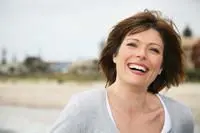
[133,66]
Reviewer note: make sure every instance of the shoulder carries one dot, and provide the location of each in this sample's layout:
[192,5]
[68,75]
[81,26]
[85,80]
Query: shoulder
[87,98]
[174,104]
[79,112]
[181,115]
[89,94]
[86,103]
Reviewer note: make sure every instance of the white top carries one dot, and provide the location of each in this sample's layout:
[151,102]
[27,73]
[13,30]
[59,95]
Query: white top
[86,112]
[167,123]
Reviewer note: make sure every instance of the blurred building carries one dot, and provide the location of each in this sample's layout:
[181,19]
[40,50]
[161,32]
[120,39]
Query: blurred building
[13,69]
[59,67]
[196,55]
[187,44]
[84,67]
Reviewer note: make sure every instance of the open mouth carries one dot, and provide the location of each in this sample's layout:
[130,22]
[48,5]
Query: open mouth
[139,68]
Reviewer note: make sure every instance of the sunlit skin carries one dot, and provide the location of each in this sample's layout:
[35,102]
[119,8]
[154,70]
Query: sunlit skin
[133,108]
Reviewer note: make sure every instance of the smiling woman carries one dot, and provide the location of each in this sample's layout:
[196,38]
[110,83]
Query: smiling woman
[142,56]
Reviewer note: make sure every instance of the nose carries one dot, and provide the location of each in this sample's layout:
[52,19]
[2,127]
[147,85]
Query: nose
[141,53]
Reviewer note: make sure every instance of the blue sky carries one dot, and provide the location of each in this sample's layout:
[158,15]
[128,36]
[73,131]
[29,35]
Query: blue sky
[68,30]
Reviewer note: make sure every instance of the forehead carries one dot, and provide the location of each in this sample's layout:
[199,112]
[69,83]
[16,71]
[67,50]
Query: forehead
[146,36]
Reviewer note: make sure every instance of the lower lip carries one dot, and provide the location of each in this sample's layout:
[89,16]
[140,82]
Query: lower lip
[137,72]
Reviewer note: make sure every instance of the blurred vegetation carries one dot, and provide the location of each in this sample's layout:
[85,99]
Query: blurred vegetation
[35,65]
[187,32]
[76,77]
[192,75]
[59,77]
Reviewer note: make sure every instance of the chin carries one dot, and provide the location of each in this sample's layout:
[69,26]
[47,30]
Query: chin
[137,83]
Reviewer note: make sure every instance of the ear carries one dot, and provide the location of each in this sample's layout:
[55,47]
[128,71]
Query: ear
[160,71]
[114,58]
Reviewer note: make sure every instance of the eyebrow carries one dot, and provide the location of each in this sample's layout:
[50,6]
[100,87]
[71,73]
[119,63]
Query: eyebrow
[151,43]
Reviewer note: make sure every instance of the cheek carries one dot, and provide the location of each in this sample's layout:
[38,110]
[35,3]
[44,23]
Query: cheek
[125,52]
[120,56]
[158,63]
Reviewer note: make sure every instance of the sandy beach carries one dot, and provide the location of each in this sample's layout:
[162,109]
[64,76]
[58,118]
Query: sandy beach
[51,97]
[41,94]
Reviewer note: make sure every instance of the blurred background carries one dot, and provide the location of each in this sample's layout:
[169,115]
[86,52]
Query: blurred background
[49,50]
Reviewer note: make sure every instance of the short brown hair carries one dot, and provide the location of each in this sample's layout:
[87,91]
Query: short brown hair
[172,73]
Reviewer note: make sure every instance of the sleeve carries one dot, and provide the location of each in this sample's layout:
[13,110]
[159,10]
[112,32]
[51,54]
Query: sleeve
[186,120]
[181,116]
[189,124]
[70,120]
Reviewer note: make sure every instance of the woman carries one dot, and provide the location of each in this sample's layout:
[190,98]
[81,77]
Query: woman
[142,56]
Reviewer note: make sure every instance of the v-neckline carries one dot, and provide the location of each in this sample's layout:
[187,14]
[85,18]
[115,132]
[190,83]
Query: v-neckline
[110,115]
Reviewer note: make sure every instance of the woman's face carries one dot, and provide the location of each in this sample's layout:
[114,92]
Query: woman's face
[139,58]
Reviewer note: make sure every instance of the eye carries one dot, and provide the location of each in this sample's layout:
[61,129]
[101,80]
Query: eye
[132,44]
[155,50]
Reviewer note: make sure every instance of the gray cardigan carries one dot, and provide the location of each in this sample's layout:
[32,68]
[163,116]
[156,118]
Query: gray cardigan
[86,112]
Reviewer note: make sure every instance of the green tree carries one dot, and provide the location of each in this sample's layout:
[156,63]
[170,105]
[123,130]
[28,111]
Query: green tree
[36,65]
[187,32]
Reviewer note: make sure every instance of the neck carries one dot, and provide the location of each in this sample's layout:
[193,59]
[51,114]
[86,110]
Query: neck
[130,98]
